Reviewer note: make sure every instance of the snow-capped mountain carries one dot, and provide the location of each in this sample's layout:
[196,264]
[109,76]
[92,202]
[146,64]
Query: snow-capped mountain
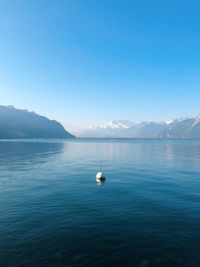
[175,120]
[177,128]
[114,124]
[109,129]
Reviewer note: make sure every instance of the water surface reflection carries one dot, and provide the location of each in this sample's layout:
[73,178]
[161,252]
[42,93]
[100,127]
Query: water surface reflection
[52,213]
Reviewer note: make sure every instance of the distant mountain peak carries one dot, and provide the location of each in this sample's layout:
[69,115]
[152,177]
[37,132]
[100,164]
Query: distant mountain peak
[180,119]
[114,124]
[168,122]
[118,124]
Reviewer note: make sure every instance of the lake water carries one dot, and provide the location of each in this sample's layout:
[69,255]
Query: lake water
[53,213]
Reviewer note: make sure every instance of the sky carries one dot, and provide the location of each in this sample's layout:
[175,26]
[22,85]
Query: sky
[85,62]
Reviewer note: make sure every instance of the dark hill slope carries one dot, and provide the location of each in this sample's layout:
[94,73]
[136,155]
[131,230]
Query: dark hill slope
[17,123]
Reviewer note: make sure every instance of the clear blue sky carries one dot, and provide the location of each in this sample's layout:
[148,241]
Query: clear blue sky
[85,62]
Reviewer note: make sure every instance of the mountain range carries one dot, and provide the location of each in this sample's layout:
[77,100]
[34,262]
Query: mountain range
[18,123]
[182,128]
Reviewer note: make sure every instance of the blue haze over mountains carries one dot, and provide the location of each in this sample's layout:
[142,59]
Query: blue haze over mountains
[18,123]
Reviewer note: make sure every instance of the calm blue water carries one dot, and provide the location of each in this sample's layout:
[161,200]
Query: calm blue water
[53,213]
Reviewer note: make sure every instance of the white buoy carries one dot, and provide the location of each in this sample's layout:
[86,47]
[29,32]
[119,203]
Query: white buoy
[100,177]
